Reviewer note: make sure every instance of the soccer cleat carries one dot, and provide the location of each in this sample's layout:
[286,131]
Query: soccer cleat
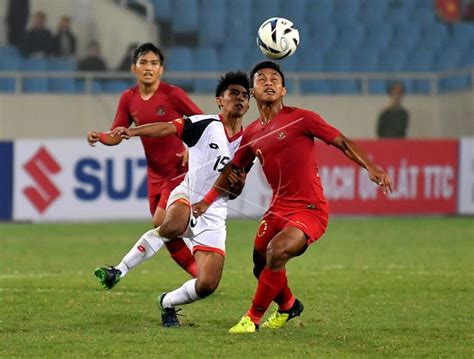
[169,318]
[108,276]
[244,326]
[278,319]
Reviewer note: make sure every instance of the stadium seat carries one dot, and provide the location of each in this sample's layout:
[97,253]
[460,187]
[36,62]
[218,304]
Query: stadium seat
[163,9]
[185,19]
[433,35]
[325,37]
[373,10]
[179,59]
[239,28]
[62,84]
[378,36]
[9,61]
[364,60]
[231,58]
[115,86]
[350,37]
[454,83]
[391,60]
[295,11]
[211,33]
[421,59]
[265,9]
[35,84]
[205,60]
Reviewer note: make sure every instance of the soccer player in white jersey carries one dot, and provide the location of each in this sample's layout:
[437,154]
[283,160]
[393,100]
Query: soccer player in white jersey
[212,141]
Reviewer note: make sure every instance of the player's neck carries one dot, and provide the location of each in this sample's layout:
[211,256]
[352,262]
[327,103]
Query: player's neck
[147,90]
[268,110]
[232,125]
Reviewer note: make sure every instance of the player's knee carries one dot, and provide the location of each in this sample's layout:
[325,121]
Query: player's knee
[170,230]
[206,287]
[276,255]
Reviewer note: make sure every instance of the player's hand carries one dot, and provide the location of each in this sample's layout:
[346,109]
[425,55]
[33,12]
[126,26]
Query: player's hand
[184,157]
[199,208]
[122,132]
[237,181]
[381,178]
[93,137]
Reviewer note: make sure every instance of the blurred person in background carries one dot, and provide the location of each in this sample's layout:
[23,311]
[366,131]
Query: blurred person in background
[38,41]
[127,58]
[17,17]
[393,121]
[64,40]
[152,101]
[93,61]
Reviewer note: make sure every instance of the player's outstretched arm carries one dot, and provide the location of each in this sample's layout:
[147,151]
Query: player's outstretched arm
[356,154]
[105,138]
[219,189]
[151,130]
[237,183]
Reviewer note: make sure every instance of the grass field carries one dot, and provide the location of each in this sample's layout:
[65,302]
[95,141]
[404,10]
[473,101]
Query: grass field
[371,288]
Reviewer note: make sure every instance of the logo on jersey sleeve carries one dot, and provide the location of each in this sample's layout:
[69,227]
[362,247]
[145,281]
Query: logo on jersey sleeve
[281,135]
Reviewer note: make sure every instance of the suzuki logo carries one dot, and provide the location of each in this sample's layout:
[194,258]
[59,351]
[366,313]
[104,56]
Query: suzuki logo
[40,167]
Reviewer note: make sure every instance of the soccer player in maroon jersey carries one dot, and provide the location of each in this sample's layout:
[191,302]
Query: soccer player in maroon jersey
[151,101]
[282,138]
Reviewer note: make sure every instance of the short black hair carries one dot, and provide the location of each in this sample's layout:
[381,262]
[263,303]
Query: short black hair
[266,65]
[145,48]
[232,78]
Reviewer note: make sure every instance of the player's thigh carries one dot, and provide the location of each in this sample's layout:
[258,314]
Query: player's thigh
[269,226]
[176,219]
[288,243]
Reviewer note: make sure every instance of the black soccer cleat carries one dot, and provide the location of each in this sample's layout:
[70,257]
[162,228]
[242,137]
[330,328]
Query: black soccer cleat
[169,318]
[108,276]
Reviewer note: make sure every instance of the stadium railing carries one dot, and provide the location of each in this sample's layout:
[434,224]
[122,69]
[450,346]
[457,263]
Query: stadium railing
[367,83]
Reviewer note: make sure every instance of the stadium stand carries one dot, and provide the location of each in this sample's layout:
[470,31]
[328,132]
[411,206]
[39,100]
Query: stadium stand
[386,36]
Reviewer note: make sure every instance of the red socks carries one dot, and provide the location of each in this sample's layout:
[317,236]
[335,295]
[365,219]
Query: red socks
[182,255]
[270,284]
[285,299]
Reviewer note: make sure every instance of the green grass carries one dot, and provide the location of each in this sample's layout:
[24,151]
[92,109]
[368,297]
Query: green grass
[371,288]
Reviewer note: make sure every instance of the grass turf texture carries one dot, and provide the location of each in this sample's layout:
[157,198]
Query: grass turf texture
[371,288]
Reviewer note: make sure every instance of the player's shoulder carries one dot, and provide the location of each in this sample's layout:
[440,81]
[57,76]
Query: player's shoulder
[170,90]
[304,114]
[205,118]
[130,92]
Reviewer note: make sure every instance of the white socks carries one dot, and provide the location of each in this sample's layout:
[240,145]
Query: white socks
[146,247]
[183,295]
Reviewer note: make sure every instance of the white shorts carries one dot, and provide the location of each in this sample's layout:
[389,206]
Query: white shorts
[204,233]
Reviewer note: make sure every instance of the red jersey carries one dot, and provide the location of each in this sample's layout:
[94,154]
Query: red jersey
[286,150]
[167,104]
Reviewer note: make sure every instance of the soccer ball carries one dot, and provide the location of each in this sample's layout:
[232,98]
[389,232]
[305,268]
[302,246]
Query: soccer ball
[278,38]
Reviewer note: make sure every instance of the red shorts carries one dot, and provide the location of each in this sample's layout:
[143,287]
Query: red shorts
[312,222]
[158,193]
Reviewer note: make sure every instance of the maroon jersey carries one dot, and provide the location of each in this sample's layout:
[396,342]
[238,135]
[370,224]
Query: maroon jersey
[167,104]
[286,150]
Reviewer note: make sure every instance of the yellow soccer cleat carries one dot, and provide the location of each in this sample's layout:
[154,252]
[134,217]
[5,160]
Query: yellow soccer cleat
[278,319]
[244,326]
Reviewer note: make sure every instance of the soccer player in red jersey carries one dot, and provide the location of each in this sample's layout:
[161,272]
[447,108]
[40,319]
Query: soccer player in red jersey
[151,101]
[282,138]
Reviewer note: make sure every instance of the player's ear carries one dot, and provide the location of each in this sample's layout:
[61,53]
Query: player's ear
[219,102]
[251,92]
[160,71]
[283,91]
[132,68]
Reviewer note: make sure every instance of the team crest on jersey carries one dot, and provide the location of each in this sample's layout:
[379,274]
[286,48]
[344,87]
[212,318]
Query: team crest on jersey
[262,229]
[281,135]
[160,111]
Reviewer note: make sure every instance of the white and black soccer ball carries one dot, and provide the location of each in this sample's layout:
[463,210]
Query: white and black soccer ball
[278,38]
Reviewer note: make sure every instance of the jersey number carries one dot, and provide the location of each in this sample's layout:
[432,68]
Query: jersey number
[221,161]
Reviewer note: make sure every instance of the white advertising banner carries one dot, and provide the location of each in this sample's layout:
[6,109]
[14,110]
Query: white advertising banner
[466,176]
[68,180]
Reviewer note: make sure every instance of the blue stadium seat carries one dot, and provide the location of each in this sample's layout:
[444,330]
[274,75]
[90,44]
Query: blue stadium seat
[423,16]
[35,84]
[265,9]
[391,60]
[447,58]
[311,59]
[373,10]
[339,60]
[239,31]
[163,9]
[211,33]
[350,37]
[406,39]
[378,36]
[324,37]
[463,35]
[454,83]
[10,60]
[364,60]
[320,12]
[115,86]
[62,84]
[433,35]
[467,57]
[232,58]
[295,11]
[179,60]
[205,59]
[185,17]
[421,59]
